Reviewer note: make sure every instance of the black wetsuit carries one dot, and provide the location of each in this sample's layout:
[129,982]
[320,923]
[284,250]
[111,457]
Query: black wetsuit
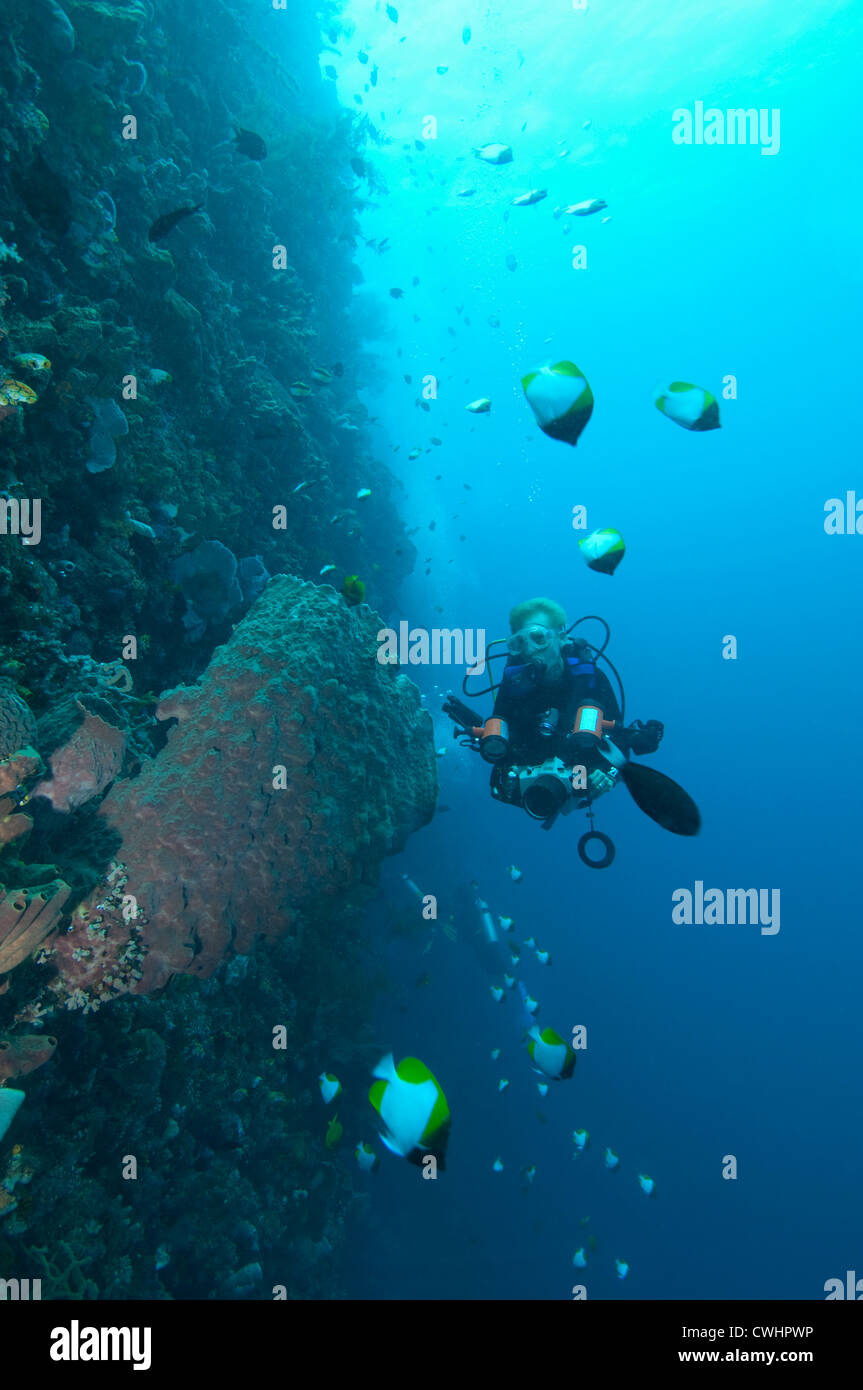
[524,699]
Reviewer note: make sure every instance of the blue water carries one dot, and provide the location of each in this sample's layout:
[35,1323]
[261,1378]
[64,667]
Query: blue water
[704,1041]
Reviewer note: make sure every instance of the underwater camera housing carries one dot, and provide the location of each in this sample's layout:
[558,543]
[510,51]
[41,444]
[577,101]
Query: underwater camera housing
[545,789]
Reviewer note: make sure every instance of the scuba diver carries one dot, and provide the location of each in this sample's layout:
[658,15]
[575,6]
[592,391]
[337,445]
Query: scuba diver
[556,739]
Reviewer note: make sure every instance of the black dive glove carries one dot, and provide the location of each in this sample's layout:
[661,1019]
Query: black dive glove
[644,738]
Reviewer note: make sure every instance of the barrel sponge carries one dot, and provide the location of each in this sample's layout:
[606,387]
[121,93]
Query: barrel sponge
[297,763]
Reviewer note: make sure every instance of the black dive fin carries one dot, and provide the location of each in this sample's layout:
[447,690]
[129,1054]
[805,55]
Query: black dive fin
[661,799]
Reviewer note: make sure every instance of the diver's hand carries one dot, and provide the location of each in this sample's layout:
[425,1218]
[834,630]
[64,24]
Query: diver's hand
[645,738]
[602,782]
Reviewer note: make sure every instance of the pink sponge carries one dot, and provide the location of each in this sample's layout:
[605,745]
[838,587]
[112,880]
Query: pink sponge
[297,763]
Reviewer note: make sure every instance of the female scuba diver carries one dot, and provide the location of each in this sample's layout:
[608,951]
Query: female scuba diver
[556,739]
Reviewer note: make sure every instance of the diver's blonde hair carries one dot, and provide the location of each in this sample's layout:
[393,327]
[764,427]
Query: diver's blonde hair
[537,610]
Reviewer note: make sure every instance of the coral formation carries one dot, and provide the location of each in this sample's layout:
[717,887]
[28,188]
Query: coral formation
[17,724]
[27,919]
[232,1166]
[109,425]
[24,1053]
[14,772]
[207,576]
[86,763]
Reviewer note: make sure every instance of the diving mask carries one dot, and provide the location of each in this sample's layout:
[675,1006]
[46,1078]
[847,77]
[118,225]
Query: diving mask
[531,639]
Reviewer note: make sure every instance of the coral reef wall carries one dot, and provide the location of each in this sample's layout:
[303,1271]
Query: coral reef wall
[197,379]
[179,421]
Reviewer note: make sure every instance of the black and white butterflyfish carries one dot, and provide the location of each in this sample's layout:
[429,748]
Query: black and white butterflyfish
[561,399]
[413,1108]
[550,1054]
[692,407]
